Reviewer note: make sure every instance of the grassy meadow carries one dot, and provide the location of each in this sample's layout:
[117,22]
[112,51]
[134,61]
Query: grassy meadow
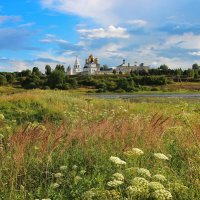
[62,145]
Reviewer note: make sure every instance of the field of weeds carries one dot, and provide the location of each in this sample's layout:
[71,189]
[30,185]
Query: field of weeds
[62,146]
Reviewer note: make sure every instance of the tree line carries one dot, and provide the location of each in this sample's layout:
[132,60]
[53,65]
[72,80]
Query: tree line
[58,79]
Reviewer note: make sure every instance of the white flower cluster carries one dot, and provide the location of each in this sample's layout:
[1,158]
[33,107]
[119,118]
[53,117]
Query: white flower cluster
[118,177]
[137,151]
[159,177]
[156,186]
[88,195]
[82,172]
[1,136]
[55,185]
[162,194]
[2,117]
[58,175]
[138,189]
[141,184]
[63,168]
[161,156]
[144,172]
[114,183]
[134,152]
[117,160]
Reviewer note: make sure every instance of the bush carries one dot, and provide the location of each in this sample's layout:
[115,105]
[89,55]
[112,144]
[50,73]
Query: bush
[3,80]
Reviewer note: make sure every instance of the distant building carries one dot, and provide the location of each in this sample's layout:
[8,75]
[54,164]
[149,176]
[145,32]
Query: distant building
[127,68]
[92,66]
[76,69]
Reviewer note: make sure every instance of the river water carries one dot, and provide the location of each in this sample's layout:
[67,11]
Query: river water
[135,97]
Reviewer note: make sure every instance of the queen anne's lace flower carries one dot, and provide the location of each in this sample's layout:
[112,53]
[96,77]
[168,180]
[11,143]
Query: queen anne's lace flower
[159,177]
[156,186]
[118,177]
[63,168]
[117,160]
[82,172]
[114,183]
[55,185]
[2,117]
[137,151]
[58,175]
[144,172]
[141,184]
[1,136]
[162,194]
[161,156]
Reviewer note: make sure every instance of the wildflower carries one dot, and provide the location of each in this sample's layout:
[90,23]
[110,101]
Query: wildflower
[2,117]
[58,175]
[117,160]
[131,190]
[115,183]
[1,136]
[77,179]
[162,194]
[41,128]
[74,167]
[22,187]
[137,151]
[141,184]
[63,168]
[89,194]
[144,172]
[82,172]
[118,177]
[156,186]
[159,177]
[55,185]
[36,148]
[161,156]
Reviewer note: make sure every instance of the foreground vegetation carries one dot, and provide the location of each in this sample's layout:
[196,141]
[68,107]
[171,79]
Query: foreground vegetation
[60,145]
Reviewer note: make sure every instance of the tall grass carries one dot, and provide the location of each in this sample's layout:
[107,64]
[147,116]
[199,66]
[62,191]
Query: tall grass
[57,145]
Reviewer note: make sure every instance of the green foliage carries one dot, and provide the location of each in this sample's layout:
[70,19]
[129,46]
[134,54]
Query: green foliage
[56,79]
[3,80]
[47,70]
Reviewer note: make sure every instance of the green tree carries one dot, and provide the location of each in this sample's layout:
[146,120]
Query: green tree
[190,73]
[56,79]
[114,71]
[36,71]
[10,78]
[164,67]
[60,68]
[47,70]
[195,66]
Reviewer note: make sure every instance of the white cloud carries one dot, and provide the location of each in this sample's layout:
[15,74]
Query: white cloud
[52,39]
[110,32]
[95,9]
[137,22]
[195,53]
[186,41]
[116,11]
[5,18]
[27,25]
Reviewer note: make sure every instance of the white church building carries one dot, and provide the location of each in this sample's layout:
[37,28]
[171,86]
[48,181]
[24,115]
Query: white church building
[91,67]
[76,69]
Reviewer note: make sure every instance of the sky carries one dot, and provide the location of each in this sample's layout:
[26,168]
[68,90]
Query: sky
[34,33]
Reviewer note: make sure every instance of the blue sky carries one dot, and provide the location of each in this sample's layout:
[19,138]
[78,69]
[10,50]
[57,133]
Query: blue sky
[154,32]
